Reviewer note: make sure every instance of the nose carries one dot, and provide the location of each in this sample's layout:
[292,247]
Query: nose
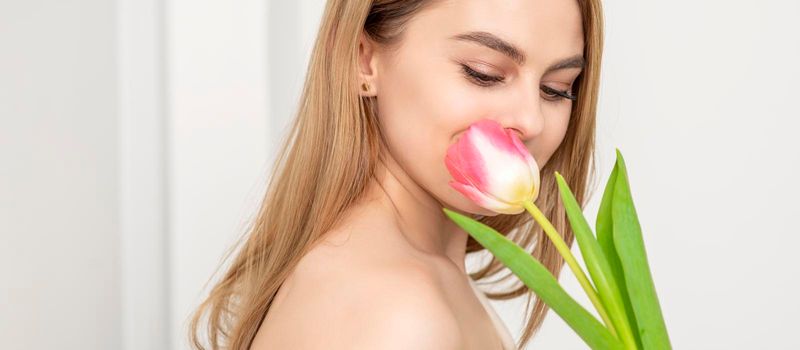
[525,116]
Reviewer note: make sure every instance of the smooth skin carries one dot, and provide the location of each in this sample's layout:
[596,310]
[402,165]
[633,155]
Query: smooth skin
[392,274]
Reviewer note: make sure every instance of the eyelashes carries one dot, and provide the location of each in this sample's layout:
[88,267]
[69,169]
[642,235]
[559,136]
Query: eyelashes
[485,80]
[561,94]
[480,78]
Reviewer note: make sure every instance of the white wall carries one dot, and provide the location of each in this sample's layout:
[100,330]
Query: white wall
[59,248]
[217,129]
[137,135]
[142,204]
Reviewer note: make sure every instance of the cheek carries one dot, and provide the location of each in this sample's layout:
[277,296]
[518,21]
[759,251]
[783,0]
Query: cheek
[422,112]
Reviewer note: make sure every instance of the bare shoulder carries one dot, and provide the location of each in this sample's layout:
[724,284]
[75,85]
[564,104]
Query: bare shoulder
[341,299]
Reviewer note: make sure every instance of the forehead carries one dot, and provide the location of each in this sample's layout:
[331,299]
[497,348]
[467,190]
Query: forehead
[543,29]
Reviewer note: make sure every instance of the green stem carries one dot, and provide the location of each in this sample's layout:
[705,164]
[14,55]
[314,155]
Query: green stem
[565,252]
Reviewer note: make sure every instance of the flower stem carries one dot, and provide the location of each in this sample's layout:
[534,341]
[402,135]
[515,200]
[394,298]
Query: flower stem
[565,252]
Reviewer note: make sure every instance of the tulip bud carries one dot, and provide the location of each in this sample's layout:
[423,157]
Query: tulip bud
[492,167]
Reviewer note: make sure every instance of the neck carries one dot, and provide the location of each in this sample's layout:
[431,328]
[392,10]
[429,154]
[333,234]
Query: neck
[417,214]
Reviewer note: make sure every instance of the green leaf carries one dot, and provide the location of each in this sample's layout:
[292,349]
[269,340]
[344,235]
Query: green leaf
[628,241]
[534,275]
[605,237]
[597,264]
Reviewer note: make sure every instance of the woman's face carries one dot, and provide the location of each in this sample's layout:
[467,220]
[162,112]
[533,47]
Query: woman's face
[462,61]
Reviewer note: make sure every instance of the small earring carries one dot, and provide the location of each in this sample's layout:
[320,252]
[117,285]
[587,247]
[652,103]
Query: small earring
[365,86]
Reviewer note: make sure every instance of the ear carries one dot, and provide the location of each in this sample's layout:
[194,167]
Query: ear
[367,66]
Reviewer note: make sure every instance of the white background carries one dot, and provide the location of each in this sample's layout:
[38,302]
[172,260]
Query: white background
[136,135]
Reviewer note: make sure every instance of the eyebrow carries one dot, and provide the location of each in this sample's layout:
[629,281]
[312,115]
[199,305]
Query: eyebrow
[496,43]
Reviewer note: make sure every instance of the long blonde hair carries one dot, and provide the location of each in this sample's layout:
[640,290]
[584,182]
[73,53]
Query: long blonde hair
[330,154]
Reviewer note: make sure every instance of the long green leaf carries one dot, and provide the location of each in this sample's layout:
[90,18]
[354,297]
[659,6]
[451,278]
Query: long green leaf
[630,245]
[540,281]
[597,264]
[605,237]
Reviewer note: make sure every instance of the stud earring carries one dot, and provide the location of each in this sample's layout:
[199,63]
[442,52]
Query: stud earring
[365,86]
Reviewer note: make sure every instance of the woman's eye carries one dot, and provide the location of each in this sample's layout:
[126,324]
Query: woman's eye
[480,78]
[556,95]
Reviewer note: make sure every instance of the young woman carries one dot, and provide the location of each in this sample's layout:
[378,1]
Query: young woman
[351,249]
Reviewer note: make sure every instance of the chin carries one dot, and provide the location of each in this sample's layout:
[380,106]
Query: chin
[467,207]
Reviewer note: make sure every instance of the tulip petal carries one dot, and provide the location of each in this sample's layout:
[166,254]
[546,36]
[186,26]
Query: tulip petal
[465,185]
[510,178]
[472,162]
[485,200]
[520,150]
[495,134]
[534,167]
[491,161]
[454,166]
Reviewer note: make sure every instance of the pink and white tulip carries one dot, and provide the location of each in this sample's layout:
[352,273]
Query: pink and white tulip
[493,168]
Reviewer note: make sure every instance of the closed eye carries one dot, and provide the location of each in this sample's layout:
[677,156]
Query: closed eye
[487,80]
[480,78]
[558,94]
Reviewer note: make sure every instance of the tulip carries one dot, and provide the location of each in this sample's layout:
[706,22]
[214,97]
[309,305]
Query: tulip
[493,168]
[474,162]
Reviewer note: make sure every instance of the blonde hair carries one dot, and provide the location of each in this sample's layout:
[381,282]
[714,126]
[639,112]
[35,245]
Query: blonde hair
[330,154]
